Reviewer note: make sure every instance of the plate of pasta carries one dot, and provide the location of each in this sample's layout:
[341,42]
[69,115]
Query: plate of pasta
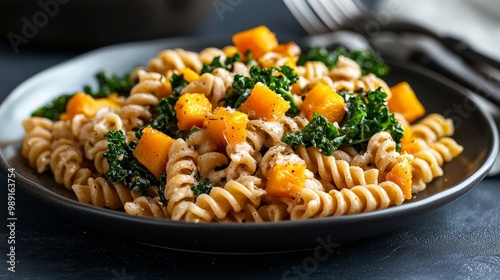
[245,144]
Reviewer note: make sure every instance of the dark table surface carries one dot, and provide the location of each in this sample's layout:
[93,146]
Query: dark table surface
[459,241]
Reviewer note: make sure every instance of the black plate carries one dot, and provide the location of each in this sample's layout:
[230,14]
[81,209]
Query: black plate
[474,130]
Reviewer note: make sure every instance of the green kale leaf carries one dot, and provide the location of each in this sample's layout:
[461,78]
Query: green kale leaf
[124,167]
[166,120]
[161,188]
[54,108]
[366,115]
[319,133]
[203,187]
[108,82]
[217,63]
[277,79]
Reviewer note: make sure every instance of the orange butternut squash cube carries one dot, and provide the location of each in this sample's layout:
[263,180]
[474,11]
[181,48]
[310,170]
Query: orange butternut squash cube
[321,99]
[259,40]
[407,134]
[82,103]
[152,150]
[405,101]
[264,103]
[402,176]
[286,180]
[191,109]
[227,126]
[188,74]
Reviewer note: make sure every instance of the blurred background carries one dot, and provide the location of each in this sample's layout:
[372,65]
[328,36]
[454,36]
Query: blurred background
[65,28]
[476,22]
[80,25]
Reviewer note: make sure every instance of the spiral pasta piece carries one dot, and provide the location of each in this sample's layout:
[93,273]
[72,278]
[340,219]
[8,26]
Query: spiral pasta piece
[279,154]
[232,217]
[256,138]
[101,193]
[273,132]
[66,158]
[134,116]
[338,172]
[145,206]
[432,127]
[213,166]
[274,59]
[274,212]
[202,141]
[175,59]
[311,154]
[211,86]
[145,92]
[363,84]
[32,122]
[447,147]
[241,68]
[233,196]
[138,106]
[423,168]
[65,162]
[36,145]
[95,143]
[207,55]
[381,152]
[312,70]
[62,130]
[226,76]
[294,124]
[316,204]
[181,171]
[262,134]
[426,165]
[242,162]
[345,69]
[81,127]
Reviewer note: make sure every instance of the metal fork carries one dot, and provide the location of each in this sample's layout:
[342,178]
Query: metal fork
[322,16]
[325,16]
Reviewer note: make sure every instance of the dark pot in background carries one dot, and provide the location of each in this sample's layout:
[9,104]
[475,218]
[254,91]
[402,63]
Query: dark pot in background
[85,24]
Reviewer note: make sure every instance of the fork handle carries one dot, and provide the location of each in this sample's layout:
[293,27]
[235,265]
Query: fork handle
[462,75]
[454,44]
[467,52]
